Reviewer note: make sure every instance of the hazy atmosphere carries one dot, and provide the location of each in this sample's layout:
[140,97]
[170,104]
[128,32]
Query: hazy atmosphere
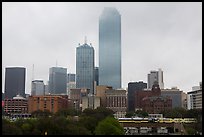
[154,35]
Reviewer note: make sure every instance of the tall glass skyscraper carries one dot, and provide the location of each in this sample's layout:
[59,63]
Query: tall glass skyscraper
[110,48]
[15,82]
[58,80]
[85,67]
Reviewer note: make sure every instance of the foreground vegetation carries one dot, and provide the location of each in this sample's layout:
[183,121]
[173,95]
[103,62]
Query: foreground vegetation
[99,121]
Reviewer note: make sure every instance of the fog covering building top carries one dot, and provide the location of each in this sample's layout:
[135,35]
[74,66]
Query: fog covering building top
[110,48]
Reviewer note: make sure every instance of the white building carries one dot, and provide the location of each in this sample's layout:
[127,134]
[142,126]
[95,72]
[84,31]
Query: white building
[37,88]
[194,97]
[155,76]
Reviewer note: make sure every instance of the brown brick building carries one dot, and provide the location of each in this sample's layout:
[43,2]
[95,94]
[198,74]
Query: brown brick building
[52,103]
[156,104]
[151,100]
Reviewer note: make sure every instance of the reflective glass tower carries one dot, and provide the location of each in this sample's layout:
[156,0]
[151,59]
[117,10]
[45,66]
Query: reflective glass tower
[58,80]
[15,82]
[110,48]
[85,67]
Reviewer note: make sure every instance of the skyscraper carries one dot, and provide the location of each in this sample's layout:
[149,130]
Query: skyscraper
[110,48]
[14,82]
[85,67]
[58,80]
[155,76]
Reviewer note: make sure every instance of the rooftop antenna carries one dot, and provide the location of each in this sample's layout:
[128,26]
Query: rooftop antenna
[85,40]
[33,73]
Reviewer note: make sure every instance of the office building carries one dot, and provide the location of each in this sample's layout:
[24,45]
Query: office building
[85,67]
[17,104]
[52,103]
[132,88]
[71,77]
[194,97]
[179,98]
[15,82]
[155,76]
[117,101]
[110,48]
[96,76]
[71,82]
[58,80]
[151,101]
[37,87]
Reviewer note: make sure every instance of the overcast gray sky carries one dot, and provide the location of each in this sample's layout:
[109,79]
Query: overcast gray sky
[154,35]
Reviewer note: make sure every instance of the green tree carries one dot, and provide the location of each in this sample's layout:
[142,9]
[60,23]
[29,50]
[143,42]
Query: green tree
[9,128]
[66,112]
[141,113]
[109,126]
[88,122]
[130,114]
[40,113]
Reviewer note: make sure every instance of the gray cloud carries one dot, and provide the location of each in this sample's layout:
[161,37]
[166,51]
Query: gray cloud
[154,35]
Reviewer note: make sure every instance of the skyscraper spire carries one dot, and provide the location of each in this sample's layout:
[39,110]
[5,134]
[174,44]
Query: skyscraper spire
[33,73]
[85,40]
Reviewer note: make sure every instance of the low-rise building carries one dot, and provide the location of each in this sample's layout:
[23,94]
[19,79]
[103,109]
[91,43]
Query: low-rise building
[18,104]
[195,97]
[52,103]
[117,101]
[179,98]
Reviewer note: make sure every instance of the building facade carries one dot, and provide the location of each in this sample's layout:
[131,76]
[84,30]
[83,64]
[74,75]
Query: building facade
[195,98]
[17,104]
[58,80]
[179,98]
[117,101]
[156,104]
[71,77]
[132,88]
[14,82]
[85,67]
[152,101]
[155,76]
[96,76]
[100,92]
[37,87]
[52,103]
[110,48]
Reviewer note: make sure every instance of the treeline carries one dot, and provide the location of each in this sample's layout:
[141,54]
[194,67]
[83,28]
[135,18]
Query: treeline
[98,121]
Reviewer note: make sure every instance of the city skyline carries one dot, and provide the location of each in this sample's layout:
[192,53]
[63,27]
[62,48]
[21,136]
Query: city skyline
[154,35]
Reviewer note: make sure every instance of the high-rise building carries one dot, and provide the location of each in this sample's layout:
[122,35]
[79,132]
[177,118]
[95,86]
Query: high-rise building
[132,88]
[110,48]
[37,88]
[71,77]
[155,76]
[58,80]
[15,82]
[85,67]
[96,76]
